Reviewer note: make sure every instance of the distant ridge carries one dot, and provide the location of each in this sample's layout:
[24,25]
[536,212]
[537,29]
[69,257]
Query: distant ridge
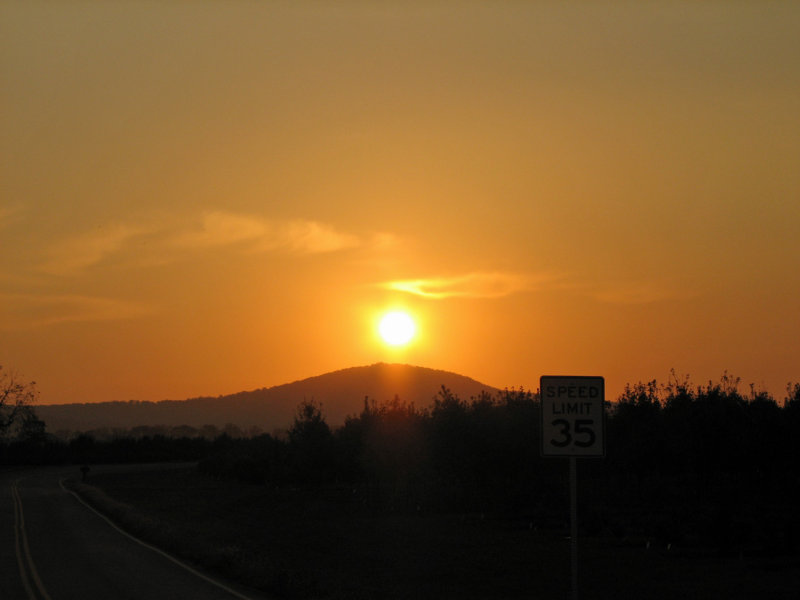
[341,393]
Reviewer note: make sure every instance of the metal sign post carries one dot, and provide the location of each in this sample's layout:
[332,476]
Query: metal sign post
[573,519]
[573,425]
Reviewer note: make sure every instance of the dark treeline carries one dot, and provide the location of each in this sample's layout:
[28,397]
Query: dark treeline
[32,445]
[690,466]
[695,466]
[85,449]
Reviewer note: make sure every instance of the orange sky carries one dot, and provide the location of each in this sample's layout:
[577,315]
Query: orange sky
[205,197]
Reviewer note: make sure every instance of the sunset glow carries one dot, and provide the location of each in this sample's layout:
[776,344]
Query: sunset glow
[200,198]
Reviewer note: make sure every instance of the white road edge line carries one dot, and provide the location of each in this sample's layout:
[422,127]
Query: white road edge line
[23,574]
[25,546]
[154,549]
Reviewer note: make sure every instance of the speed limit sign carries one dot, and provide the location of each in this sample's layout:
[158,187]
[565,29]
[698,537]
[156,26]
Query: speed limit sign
[573,422]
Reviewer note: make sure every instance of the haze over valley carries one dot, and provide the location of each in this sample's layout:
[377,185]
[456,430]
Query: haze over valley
[339,393]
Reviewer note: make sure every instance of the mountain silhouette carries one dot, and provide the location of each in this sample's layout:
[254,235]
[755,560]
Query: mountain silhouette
[340,393]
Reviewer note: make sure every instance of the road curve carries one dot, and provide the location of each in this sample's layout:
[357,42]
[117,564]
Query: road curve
[54,547]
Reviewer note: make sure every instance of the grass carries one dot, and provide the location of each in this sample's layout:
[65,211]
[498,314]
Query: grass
[326,543]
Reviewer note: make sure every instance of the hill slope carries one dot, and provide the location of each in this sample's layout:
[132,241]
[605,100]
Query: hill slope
[341,393]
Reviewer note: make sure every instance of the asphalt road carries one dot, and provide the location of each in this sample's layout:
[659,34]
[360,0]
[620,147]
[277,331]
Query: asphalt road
[53,547]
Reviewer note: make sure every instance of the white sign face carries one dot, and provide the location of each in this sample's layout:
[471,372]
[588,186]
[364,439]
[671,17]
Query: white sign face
[573,419]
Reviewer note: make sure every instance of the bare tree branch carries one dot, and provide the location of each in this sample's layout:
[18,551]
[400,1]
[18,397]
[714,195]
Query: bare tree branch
[16,399]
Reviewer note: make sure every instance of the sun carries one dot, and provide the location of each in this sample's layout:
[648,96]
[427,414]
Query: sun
[397,328]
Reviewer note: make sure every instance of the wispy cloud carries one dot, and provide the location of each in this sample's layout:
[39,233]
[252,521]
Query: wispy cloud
[312,237]
[223,229]
[264,235]
[22,311]
[499,284]
[170,240]
[473,285]
[384,241]
[77,253]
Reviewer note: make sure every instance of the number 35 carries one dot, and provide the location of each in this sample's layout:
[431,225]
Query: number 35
[583,428]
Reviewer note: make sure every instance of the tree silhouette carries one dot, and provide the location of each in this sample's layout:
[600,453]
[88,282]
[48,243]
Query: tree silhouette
[310,440]
[16,401]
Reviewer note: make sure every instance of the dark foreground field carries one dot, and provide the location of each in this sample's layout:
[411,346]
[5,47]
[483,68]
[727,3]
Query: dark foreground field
[324,543]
